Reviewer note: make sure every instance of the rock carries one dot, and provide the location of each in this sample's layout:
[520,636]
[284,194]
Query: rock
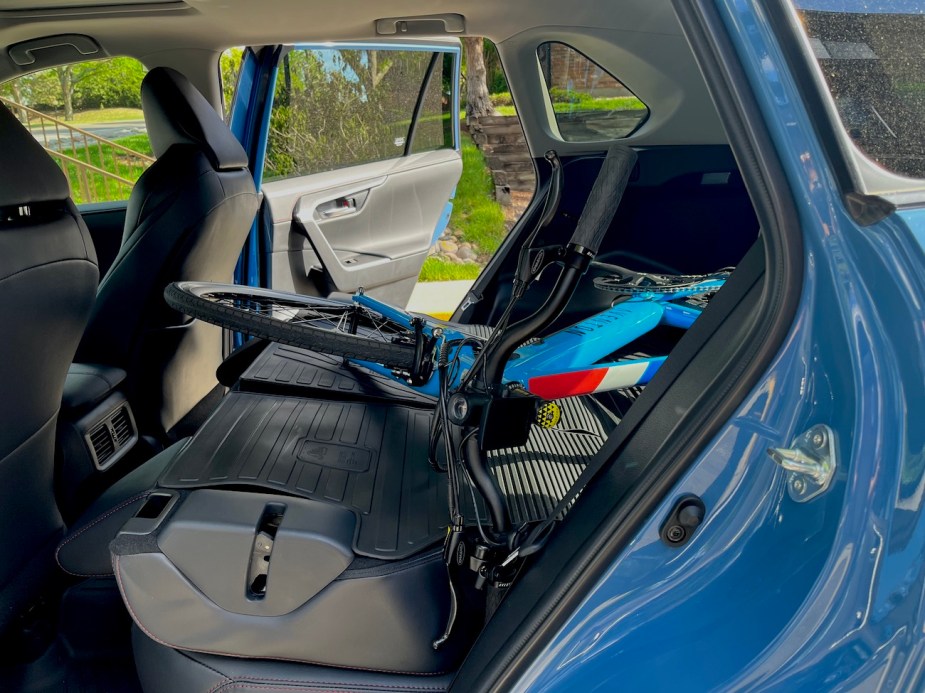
[466,253]
[465,245]
[448,246]
[432,251]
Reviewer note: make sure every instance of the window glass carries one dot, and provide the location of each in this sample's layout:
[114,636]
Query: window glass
[590,104]
[229,65]
[434,129]
[343,107]
[88,117]
[872,56]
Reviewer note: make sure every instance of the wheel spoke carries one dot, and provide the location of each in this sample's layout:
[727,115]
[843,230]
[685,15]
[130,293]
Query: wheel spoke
[333,318]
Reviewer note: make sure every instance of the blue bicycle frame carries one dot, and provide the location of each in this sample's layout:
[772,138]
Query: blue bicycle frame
[566,363]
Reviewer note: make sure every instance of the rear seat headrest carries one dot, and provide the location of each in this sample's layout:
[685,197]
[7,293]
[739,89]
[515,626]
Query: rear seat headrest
[176,113]
[28,175]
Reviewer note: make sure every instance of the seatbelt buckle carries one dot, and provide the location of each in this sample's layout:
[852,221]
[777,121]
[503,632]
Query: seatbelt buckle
[471,299]
[513,556]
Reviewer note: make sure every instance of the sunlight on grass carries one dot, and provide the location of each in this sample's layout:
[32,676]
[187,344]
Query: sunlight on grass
[138,143]
[616,103]
[477,216]
[437,270]
[90,186]
[107,115]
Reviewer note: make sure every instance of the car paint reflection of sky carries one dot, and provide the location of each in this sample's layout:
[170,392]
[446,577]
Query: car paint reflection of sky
[862,7]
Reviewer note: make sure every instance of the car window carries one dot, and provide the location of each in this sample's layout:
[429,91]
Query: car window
[88,117]
[434,129]
[590,104]
[337,107]
[872,59]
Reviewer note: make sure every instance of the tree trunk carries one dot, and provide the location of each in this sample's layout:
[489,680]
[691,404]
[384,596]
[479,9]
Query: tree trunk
[17,97]
[478,103]
[66,78]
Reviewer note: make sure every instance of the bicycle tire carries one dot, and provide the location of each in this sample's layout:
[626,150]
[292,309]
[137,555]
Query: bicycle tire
[250,310]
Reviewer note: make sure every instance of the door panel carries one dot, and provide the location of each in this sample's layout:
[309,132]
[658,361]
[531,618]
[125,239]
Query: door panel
[367,226]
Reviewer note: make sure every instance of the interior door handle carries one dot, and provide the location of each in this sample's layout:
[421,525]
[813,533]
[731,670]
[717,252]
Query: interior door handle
[340,207]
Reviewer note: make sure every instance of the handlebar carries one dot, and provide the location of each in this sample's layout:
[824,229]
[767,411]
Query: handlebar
[604,198]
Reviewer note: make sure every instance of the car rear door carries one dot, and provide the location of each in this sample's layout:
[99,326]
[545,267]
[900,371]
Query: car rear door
[357,146]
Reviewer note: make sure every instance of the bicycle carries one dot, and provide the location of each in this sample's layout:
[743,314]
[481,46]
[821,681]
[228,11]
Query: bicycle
[491,385]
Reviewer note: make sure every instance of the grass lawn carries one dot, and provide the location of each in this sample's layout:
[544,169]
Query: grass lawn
[477,217]
[616,103]
[437,270]
[139,143]
[88,186]
[107,115]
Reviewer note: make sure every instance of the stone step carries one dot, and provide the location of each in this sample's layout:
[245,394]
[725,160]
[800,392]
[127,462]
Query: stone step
[499,120]
[496,160]
[495,140]
[506,129]
[519,148]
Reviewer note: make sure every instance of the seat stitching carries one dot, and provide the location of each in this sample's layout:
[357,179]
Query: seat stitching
[47,264]
[369,686]
[96,521]
[270,687]
[320,686]
[118,574]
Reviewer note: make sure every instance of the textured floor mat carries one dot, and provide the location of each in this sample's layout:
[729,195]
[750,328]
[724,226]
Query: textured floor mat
[370,458]
[285,370]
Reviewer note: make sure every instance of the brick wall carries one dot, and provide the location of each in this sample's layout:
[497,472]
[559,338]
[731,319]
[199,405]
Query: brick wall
[565,68]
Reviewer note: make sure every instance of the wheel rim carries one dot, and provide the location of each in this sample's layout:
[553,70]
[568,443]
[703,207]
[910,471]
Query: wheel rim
[344,318]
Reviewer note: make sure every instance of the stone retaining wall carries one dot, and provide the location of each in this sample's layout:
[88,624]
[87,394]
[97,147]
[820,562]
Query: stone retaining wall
[501,140]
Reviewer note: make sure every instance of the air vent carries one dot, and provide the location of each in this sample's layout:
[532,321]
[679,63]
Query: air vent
[122,427]
[102,443]
[111,437]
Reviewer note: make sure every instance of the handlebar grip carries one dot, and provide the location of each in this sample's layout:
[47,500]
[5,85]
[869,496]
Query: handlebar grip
[604,199]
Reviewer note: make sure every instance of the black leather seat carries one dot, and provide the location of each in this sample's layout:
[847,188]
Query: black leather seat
[48,279]
[187,218]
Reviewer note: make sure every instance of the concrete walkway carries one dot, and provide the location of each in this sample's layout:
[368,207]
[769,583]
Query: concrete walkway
[438,299]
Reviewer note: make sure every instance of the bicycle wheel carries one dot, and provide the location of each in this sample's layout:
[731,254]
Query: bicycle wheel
[331,327]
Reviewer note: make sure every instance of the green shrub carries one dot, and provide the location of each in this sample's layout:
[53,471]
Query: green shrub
[501,99]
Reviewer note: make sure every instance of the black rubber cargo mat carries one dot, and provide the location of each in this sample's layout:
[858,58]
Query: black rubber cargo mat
[371,458]
[286,370]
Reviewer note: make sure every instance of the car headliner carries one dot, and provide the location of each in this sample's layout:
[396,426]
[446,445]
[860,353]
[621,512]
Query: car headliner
[639,41]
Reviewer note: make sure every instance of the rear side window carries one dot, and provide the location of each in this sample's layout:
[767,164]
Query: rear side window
[590,103]
[88,117]
[872,57]
[342,107]
[434,129]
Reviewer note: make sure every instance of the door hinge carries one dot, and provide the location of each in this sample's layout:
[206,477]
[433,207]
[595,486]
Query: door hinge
[809,461]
